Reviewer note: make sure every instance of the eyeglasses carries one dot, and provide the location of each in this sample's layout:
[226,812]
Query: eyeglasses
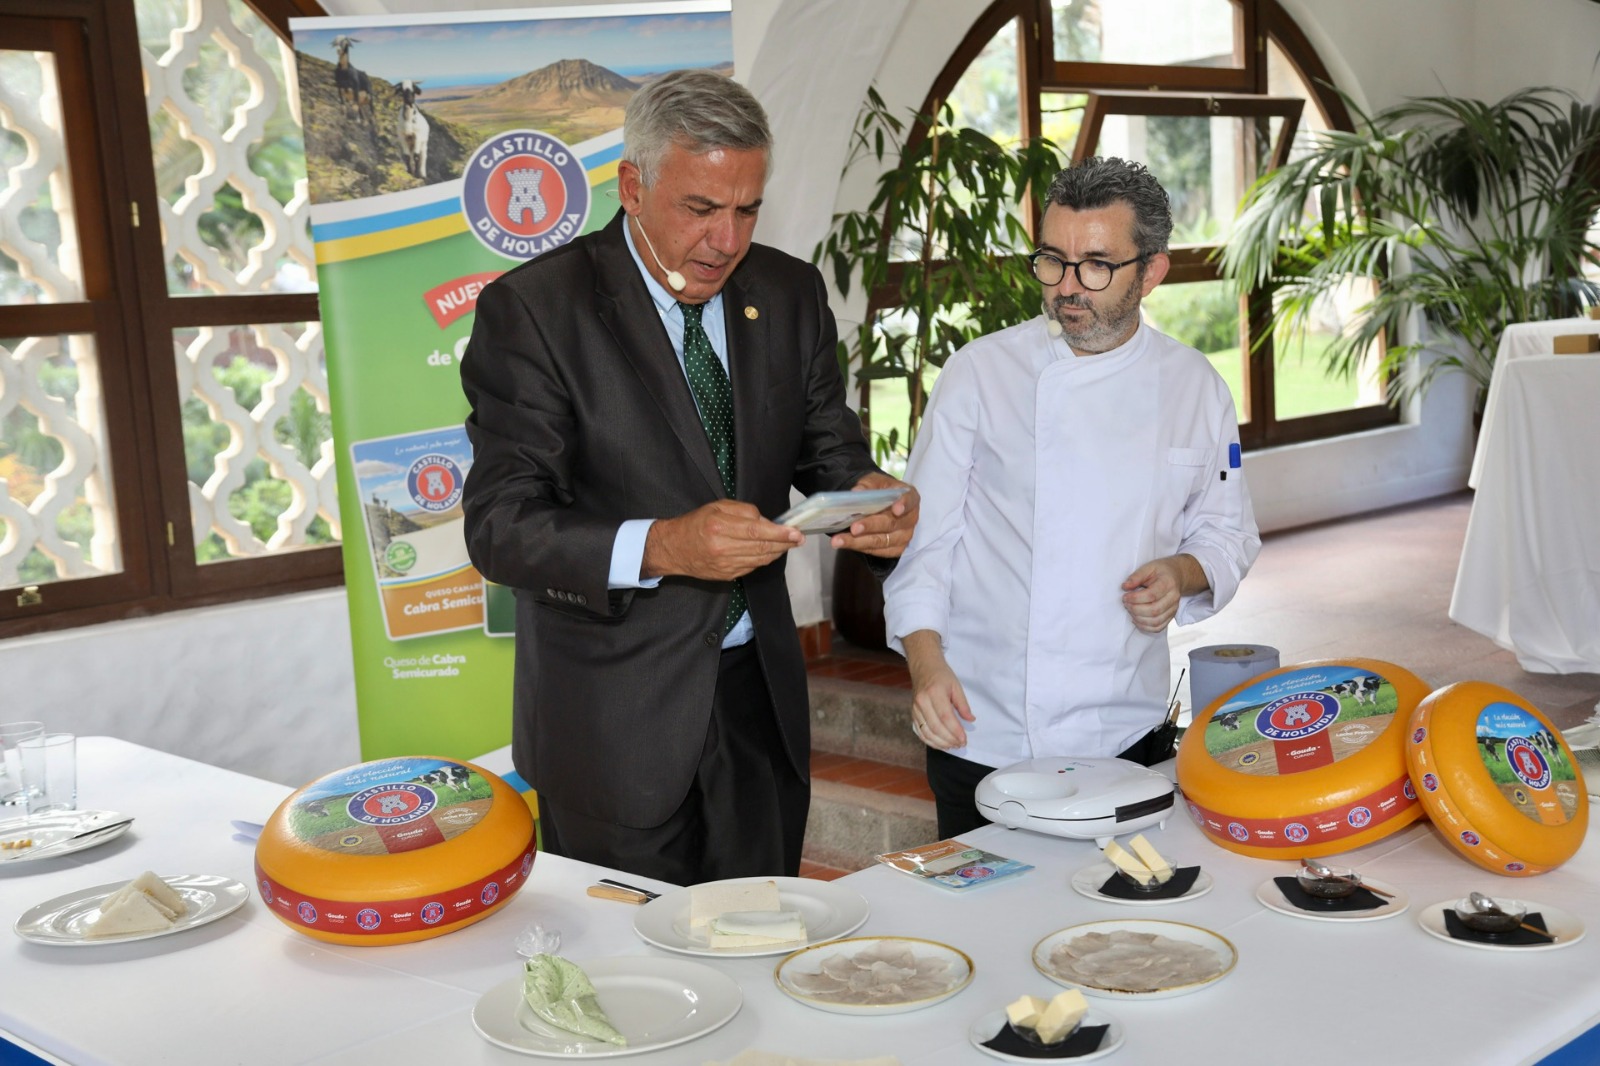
[1093,274]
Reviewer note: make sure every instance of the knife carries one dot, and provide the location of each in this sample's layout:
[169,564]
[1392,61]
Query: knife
[645,892]
[621,895]
[97,830]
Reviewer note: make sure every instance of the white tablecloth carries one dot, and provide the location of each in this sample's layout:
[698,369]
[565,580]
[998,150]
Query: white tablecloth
[1529,577]
[247,989]
[1520,340]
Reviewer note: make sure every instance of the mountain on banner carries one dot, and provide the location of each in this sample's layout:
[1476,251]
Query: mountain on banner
[566,83]
[572,99]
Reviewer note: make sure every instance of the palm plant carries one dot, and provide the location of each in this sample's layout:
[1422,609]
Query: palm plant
[1474,214]
[948,214]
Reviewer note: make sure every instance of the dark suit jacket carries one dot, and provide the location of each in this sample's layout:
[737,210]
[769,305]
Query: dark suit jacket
[582,418]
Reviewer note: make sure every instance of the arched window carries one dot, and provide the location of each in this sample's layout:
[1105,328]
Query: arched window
[1209,94]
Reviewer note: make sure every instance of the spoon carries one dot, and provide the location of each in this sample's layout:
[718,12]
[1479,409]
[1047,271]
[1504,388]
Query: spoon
[1322,871]
[1489,906]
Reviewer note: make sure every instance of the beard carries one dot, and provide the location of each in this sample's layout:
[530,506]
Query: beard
[1102,328]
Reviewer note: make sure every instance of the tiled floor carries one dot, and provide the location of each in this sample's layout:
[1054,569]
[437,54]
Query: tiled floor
[1376,586]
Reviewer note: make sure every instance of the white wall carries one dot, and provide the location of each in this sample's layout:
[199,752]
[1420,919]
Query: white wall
[265,687]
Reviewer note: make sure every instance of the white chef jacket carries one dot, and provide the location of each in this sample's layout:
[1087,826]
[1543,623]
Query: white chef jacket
[1046,479]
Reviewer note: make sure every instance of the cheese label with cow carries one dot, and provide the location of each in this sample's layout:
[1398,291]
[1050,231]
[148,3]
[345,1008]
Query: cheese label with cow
[1305,760]
[1497,780]
[395,850]
[391,805]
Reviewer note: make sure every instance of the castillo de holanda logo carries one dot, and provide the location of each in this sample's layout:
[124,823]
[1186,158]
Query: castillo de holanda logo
[435,482]
[524,192]
[1527,762]
[1297,716]
[393,804]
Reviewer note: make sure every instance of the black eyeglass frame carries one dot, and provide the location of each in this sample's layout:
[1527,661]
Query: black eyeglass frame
[1077,269]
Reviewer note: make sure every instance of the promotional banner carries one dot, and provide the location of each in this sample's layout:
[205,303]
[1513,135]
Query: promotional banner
[441,151]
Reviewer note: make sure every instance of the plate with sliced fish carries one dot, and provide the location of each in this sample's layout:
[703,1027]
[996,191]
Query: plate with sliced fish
[874,974]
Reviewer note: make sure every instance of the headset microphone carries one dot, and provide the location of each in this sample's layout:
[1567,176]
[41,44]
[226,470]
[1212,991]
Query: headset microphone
[1051,326]
[674,278]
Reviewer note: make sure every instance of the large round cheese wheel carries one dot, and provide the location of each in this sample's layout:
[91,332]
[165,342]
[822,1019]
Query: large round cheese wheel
[1497,780]
[1304,760]
[395,850]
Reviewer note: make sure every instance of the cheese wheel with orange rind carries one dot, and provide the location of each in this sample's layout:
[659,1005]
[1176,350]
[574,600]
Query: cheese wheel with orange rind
[1305,760]
[395,850]
[1497,779]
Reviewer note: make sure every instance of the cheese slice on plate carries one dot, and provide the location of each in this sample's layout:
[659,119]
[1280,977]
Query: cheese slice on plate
[146,904]
[1131,864]
[720,897]
[744,929]
[1152,859]
[1025,1011]
[1062,1016]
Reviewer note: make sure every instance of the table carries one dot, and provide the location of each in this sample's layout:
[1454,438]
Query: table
[1529,577]
[1519,341]
[247,989]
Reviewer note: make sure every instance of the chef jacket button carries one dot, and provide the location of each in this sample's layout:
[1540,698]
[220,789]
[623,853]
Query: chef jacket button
[551,593]
[711,640]
[583,601]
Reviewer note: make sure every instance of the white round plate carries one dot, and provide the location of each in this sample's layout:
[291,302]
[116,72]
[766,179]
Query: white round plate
[1270,896]
[986,1027]
[809,962]
[52,834]
[654,1003]
[65,920]
[1565,927]
[829,910]
[1087,882]
[1192,934]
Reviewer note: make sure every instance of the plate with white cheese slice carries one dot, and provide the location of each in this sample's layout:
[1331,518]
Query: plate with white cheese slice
[125,911]
[750,916]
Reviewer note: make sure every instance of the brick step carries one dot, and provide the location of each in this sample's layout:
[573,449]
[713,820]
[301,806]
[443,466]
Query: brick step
[851,825]
[868,721]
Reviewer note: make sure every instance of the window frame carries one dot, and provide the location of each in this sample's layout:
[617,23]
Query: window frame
[133,318]
[1161,92]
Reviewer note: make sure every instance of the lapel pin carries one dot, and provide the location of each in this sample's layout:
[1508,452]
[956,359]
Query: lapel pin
[751,313]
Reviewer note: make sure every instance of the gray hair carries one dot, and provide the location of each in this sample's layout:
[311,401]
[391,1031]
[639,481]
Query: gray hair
[1101,182]
[697,110]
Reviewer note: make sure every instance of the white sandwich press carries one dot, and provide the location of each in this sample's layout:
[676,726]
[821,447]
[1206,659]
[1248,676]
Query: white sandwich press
[1083,798]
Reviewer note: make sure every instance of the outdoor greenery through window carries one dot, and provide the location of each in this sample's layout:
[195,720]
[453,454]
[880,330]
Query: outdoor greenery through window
[165,432]
[1207,93]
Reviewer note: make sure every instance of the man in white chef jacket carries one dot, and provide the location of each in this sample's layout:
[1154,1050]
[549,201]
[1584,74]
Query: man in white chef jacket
[1081,488]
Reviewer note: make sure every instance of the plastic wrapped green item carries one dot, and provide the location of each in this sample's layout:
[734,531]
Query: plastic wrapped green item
[559,992]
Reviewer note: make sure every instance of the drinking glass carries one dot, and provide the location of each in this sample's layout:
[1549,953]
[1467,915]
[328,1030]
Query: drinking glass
[12,794]
[50,772]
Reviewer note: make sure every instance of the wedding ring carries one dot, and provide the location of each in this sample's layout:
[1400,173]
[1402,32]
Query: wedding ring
[916,728]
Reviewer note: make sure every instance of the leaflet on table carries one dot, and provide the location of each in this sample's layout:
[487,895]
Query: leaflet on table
[825,512]
[953,863]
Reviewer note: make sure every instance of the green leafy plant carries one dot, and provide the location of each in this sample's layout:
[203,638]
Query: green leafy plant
[948,213]
[1474,214]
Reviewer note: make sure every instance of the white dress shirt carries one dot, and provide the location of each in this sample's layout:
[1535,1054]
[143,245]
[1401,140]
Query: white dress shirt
[1046,479]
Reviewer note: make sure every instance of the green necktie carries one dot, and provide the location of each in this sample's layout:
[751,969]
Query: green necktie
[713,393]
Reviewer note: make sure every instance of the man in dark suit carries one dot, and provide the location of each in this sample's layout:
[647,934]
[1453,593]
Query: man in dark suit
[624,486]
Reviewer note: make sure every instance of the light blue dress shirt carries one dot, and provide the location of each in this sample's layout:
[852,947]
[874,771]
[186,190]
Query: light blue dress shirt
[627,551]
